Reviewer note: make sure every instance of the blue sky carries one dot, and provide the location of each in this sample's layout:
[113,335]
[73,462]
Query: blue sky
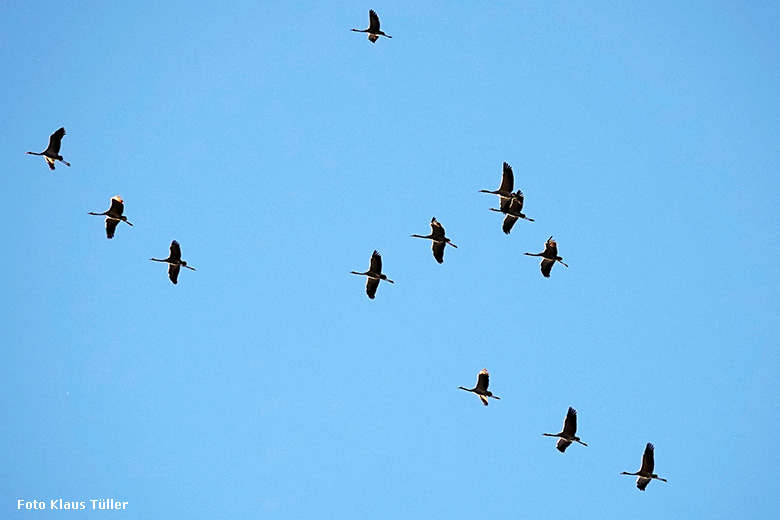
[280,149]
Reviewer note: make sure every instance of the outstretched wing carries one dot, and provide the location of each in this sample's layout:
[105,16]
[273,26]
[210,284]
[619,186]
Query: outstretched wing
[507,179]
[117,206]
[648,461]
[570,424]
[173,272]
[371,285]
[438,251]
[376,263]
[550,248]
[373,22]
[509,221]
[547,266]
[175,255]
[483,380]
[55,140]
[642,482]
[437,230]
[111,224]
[562,445]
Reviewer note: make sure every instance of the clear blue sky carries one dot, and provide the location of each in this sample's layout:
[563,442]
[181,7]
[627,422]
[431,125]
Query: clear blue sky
[280,149]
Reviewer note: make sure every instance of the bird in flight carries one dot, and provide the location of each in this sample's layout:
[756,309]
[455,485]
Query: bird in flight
[568,435]
[549,256]
[646,473]
[483,380]
[52,153]
[438,240]
[512,207]
[174,261]
[113,215]
[374,275]
[373,27]
[507,185]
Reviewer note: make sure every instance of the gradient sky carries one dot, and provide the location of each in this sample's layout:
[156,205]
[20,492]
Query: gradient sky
[280,149]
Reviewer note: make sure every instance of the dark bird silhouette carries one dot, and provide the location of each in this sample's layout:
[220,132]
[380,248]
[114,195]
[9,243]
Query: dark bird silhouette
[483,380]
[174,261]
[512,207]
[568,435]
[507,185]
[549,256]
[439,241]
[373,27]
[113,215]
[374,275]
[52,153]
[646,473]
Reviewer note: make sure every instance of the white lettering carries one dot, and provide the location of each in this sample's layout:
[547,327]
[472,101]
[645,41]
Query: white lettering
[35,504]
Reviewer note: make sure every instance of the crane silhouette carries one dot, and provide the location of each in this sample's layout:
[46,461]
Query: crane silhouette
[568,435]
[374,274]
[507,185]
[646,473]
[373,27]
[174,261]
[52,153]
[113,215]
[549,256]
[481,389]
[512,207]
[438,240]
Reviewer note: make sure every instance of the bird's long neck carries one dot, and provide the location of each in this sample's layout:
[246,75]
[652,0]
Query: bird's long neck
[534,254]
[35,153]
[98,214]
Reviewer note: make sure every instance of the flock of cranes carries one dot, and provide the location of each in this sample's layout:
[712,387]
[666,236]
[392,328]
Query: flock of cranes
[510,205]
[114,214]
[568,435]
